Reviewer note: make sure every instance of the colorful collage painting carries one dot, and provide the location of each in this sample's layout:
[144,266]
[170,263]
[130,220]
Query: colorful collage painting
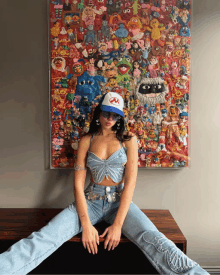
[139,49]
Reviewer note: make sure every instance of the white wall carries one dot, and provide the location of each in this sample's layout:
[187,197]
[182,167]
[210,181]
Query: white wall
[191,194]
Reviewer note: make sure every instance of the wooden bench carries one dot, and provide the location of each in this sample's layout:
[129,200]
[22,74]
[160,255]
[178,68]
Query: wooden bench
[18,223]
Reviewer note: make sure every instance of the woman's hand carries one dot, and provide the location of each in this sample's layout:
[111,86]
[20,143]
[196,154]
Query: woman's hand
[90,239]
[113,236]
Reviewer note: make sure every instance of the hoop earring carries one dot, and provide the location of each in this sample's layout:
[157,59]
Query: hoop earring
[97,122]
[118,125]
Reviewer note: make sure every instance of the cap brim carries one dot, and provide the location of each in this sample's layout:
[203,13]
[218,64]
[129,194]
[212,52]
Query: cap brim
[111,109]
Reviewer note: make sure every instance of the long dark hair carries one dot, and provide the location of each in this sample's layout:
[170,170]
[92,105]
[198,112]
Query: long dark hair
[120,130]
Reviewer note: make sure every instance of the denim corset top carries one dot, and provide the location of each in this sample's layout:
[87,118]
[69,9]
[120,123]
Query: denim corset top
[112,167]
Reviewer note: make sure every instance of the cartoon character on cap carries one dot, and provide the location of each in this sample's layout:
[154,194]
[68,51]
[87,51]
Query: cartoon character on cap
[113,102]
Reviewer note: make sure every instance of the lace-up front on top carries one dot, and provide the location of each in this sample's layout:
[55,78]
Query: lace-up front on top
[112,166]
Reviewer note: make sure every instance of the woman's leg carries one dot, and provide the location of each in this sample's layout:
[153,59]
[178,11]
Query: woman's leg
[160,251]
[26,254]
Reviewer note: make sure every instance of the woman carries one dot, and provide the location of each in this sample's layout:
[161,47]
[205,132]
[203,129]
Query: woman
[112,158]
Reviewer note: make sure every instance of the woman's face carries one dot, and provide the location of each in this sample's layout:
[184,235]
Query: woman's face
[107,119]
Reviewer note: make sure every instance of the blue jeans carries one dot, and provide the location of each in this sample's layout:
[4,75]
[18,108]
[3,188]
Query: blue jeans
[102,204]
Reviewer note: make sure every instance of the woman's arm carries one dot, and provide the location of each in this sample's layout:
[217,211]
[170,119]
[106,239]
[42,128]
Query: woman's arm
[90,237]
[114,231]
[79,181]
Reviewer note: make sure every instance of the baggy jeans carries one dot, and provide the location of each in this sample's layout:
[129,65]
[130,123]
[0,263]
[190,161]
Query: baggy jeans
[102,204]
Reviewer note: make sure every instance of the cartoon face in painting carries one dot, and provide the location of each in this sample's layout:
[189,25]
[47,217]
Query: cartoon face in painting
[174,65]
[114,19]
[151,91]
[124,65]
[58,63]
[75,18]
[185,31]
[136,102]
[134,23]
[154,23]
[157,49]
[113,82]
[88,85]
[135,51]
[78,69]
[110,71]
[153,60]
[102,47]
[126,14]
[169,47]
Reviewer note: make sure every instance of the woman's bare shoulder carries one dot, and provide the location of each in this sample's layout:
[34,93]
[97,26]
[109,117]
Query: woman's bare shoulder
[131,140]
[86,137]
[85,141]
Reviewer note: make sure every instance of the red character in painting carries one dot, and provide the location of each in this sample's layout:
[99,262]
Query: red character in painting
[114,21]
[74,52]
[126,13]
[58,67]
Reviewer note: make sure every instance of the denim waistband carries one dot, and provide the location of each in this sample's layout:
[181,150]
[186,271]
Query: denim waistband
[96,191]
[104,188]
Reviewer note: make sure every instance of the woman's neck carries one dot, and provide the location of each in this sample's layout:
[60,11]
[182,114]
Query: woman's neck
[106,133]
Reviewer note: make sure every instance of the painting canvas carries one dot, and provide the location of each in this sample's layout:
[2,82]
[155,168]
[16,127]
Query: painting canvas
[139,49]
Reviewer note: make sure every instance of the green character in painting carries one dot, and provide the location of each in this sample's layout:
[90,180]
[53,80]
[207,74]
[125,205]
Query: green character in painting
[135,7]
[81,5]
[124,67]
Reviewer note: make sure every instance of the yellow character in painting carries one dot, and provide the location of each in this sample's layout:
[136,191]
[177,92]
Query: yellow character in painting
[112,82]
[68,19]
[155,29]
[55,30]
[134,26]
[132,105]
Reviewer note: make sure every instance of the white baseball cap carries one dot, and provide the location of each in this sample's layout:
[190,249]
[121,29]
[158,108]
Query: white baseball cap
[113,102]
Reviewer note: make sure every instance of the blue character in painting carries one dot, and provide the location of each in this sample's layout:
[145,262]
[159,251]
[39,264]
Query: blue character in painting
[183,4]
[88,86]
[183,21]
[121,32]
